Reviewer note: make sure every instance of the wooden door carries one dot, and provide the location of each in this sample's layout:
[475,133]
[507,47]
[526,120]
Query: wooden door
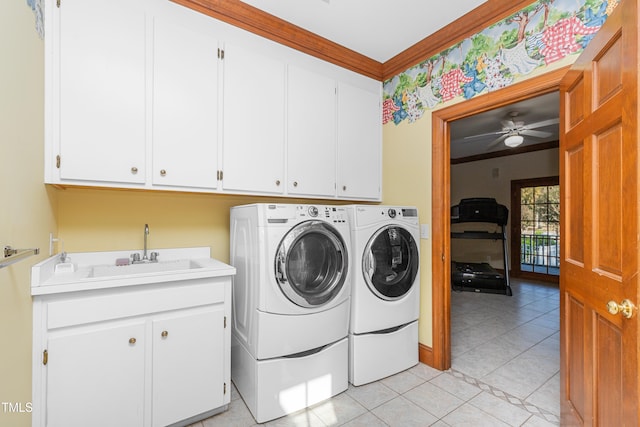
[599,222]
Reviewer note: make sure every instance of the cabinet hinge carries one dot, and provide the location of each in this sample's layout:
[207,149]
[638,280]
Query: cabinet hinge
[220,53]
[58,161]
[219,175]
[45,357]
[224,388]
[225,321]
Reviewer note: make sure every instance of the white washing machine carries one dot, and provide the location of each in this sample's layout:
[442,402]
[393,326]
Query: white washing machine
[291,304]
[385,294]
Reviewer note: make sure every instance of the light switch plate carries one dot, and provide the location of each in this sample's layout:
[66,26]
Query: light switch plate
[424,231]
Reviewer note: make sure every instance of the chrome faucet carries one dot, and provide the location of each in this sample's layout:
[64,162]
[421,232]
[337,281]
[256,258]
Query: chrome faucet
[146,233]
[136,256]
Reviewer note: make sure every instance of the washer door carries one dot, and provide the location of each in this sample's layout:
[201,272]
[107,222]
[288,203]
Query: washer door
[311,264]
[390,262]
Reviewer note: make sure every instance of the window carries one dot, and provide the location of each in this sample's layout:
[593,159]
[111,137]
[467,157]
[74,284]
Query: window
[536,227]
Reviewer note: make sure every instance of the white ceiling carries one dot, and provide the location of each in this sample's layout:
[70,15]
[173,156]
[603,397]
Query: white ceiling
[378,29]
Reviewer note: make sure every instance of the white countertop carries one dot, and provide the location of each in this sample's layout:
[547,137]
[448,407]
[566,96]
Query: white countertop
[98,270]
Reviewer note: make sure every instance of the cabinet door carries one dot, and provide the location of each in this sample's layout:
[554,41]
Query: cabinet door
[311,133]
[359,143]
[253,142]
[185,106]
[188,364]
[95,376]
[101,90]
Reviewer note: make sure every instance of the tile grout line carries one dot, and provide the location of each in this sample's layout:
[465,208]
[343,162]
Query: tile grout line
[516,401]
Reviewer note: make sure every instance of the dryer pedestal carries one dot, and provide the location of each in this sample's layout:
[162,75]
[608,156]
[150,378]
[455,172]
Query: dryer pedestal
[273,388]
[377,355]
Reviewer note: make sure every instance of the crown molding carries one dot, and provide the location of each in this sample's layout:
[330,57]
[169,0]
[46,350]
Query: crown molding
[252,19]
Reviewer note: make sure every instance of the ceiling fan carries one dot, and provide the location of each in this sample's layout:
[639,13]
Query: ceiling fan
[513,132]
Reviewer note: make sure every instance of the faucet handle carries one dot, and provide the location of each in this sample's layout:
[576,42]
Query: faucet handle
[154,256]
[135,257]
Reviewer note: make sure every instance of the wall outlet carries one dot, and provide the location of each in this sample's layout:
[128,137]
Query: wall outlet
[424,231]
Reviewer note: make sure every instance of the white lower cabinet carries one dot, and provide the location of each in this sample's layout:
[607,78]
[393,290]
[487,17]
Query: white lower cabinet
[96,376]
[154,356]
[186,380]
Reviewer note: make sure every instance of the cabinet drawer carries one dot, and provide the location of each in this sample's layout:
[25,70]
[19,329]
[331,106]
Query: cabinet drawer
[96,308]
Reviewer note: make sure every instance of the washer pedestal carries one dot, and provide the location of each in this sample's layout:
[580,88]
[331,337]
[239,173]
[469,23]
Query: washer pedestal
[272,388]
[377,355]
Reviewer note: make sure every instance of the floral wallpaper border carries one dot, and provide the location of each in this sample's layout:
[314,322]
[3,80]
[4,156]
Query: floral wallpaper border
[542,33]
[38,9]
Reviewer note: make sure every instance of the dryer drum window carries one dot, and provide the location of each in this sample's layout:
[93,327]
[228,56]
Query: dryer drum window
[390,262]
[311,264]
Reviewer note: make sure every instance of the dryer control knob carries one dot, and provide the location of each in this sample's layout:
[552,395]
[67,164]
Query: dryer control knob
[313,211]
[392,213]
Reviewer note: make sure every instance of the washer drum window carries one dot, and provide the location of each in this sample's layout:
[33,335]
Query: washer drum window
[311,264]
[390,262]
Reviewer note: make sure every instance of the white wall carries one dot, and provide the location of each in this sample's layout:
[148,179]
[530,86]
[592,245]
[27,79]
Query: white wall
[492,178]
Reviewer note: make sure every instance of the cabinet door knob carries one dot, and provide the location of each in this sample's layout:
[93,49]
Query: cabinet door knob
[164,334]
[344,188]
[163,172]
[277,182]
[132,340]
[295,183]
[134,170]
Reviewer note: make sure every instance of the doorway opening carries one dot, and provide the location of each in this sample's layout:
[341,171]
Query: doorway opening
[441,197]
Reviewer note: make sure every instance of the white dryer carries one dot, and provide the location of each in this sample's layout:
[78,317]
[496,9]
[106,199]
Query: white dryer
[385,295]
[291,304]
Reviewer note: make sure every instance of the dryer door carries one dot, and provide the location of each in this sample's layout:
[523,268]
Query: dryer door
[311,264]
[390,262]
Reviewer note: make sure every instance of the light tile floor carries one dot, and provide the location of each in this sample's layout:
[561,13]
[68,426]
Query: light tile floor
[505,372]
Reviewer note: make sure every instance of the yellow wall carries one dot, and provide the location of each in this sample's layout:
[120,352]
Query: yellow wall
[406,176]
[27,207]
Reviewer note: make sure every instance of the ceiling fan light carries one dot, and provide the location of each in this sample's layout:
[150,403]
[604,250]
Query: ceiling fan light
[513,140]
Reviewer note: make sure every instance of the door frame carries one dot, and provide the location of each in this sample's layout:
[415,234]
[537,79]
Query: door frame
[441,194]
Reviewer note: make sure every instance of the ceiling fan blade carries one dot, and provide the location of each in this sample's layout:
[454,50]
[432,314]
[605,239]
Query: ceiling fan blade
[486,134]
[497,141]
[508,124]
[541,124]
[536,133]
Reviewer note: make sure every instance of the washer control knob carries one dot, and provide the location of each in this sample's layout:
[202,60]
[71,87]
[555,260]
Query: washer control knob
[313,211]
[392,213]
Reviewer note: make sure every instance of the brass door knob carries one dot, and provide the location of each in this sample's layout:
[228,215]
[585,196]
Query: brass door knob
[164,334]
[132,340]
[627,308]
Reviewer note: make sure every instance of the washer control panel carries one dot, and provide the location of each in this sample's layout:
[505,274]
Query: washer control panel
[333,214]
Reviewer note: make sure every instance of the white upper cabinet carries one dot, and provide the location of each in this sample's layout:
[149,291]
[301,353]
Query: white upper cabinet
[359,143]
[148,94]
[185,105]
[311,133]
[254,111]
[99,121]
